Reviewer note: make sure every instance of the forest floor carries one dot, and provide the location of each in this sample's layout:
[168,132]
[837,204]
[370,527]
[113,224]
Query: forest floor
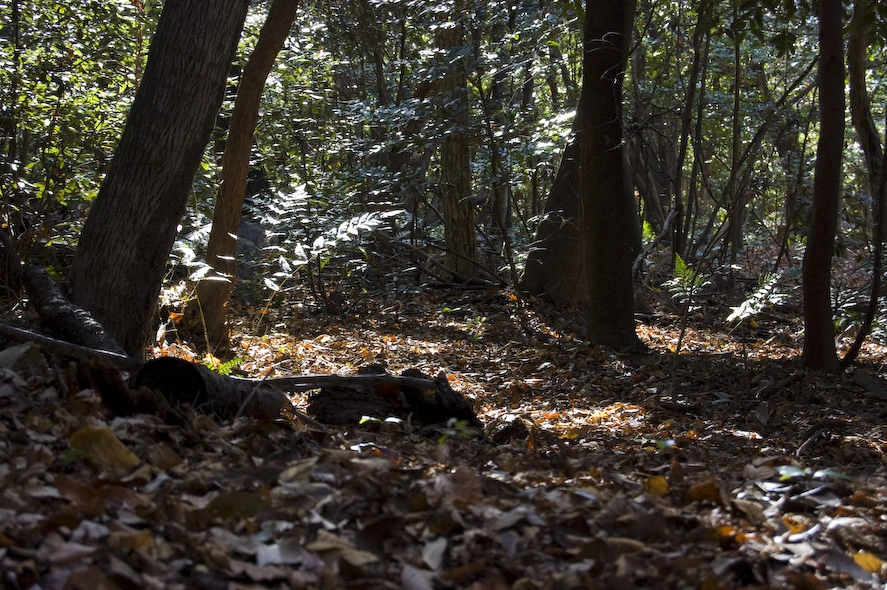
[720,467]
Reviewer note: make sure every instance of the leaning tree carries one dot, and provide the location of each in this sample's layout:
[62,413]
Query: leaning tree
[121,257]
[214,292]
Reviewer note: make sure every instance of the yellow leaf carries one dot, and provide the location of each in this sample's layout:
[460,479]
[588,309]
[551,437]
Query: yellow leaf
[868,562]
[131,540]
[656,486]
[705,490]
[103,448]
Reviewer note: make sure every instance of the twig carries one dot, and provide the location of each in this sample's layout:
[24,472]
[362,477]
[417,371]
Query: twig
[765,392]
[307,420]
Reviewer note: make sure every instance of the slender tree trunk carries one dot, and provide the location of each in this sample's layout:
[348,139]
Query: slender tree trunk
[736,216]
[700,42]
[608,212]
[119,264]
[500,207]
[819,335]
[860,102]
[867,132]
[455,165]
[214,292]
[698,185]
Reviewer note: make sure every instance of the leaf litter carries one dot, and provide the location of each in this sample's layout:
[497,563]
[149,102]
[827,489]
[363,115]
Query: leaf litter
[721,468]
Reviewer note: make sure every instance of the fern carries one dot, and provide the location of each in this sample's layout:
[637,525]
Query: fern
[224,369]
[766,295]
[686,282]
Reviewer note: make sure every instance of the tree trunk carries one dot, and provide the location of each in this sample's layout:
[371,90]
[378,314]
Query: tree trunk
[736,213]
[455,165]
[860,102]
[607,206]
[221,252]
[819,335]
[555,267]
[119,264]
[701,36]
[867,132]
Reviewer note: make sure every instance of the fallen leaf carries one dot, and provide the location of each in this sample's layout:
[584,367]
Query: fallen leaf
[102,447]
[433,553]
[237,504]
[868,562]
[415,579]
[706,490]
[656,486]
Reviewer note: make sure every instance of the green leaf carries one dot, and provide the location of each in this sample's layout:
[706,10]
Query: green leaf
[680,267]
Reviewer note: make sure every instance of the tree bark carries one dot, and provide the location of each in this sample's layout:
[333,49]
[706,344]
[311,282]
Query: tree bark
[221,252]
[455,166]
[701,36]
[736,213]
[819,337]
[121,259]
[860,102]
[867,132]
[607,206]
[555,268]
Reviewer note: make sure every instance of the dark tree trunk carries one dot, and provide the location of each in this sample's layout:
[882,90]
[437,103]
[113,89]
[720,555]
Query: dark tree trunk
[556,264]
[455,166]
[119,264]
[221,251]
[819,335]
[555,267]
[607,208]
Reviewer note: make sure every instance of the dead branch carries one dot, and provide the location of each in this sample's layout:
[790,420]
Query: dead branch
[60,347]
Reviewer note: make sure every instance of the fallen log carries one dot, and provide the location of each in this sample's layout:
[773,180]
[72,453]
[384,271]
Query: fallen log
[182,382]
[63,348]
[340,399]
[59,315]
[377,394]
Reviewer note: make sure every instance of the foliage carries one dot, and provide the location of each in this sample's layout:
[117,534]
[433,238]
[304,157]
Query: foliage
[768,294]
[686,282]
[224,368]
[303,239]
[69,71]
